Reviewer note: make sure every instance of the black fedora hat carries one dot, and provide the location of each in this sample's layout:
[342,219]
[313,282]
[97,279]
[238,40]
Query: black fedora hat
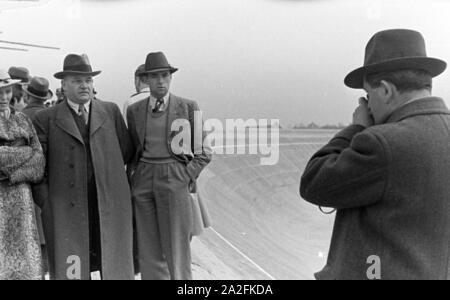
[39,88]
[75,64]
[157,62]
[392,50]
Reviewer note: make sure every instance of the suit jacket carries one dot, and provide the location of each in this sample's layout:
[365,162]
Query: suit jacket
[65,211]
[390,186]
[196,157]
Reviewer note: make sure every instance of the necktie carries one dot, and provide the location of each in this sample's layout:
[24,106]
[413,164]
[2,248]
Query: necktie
[158,105]
[83,113]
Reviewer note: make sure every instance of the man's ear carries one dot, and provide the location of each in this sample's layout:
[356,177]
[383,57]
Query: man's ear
[387,90]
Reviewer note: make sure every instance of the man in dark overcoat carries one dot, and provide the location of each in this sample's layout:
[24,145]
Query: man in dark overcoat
[387,174]
[88,213]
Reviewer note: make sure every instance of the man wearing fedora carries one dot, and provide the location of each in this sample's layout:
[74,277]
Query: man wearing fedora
[387,174]
[163,176]
[36,93]
[88,213]
[142,89]
[19,73]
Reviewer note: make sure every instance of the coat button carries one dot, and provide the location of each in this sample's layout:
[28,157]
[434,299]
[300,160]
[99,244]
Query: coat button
[72,204]
[72,184]
[71,166]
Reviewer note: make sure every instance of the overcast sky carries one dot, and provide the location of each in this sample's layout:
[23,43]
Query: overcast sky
[282,59]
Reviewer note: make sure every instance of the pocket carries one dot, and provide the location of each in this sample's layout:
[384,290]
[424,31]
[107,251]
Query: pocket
[181,173]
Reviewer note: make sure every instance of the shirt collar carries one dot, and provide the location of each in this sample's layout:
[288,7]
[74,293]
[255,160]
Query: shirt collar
[76,106]
[165,98]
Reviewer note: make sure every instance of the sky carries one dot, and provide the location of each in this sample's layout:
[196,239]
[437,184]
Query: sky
[258,59]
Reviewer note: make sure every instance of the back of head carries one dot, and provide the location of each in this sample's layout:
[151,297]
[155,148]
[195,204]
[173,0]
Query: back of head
[405,80]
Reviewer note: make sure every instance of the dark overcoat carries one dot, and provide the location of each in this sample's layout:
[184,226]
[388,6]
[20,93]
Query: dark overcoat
[65,213]
[390,186]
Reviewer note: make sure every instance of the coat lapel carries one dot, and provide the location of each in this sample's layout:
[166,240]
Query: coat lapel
[97,117]
[174,113]
[65,121]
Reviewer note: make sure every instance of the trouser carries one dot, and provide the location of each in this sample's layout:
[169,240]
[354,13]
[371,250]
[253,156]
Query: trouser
[163,220]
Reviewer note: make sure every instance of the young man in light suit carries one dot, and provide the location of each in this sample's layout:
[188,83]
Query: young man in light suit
[164,174]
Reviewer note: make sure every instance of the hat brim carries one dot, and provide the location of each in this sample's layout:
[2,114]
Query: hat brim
[434,66]
[49,95]
[61,75]
[11,82]
[171,70]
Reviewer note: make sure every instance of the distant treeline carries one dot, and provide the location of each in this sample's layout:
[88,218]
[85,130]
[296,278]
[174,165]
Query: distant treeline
[313,125]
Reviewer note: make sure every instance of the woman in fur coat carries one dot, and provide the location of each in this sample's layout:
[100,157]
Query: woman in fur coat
[21,163]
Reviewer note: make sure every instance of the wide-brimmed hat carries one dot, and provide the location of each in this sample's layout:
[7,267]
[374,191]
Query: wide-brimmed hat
[20,73]
[392,50]
[157,62]
[39,88]
[5,79]
[75,64]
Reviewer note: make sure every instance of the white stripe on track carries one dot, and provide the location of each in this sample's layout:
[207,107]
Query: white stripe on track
[242,254]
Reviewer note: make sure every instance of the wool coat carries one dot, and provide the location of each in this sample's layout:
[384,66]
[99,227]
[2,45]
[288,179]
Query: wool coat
[390,186]
[21,163]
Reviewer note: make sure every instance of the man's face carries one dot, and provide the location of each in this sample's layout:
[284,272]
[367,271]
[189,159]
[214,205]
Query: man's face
[377,103]
[5,97]
[159,83]
[79,89]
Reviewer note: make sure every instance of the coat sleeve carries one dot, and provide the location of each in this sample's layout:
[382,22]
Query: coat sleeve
[200,147]
[12,158]
[123,135]
[32,170]
[349,172]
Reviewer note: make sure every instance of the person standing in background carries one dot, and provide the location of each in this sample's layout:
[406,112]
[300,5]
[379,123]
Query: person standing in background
[142,89]
[21,163]
[163,175]
[88,213]
[36,93]
[19,73]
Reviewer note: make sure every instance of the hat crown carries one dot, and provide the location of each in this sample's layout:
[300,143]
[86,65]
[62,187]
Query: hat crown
[19,73]
[77,63]
[39,84]
[394,44]
[156,61]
